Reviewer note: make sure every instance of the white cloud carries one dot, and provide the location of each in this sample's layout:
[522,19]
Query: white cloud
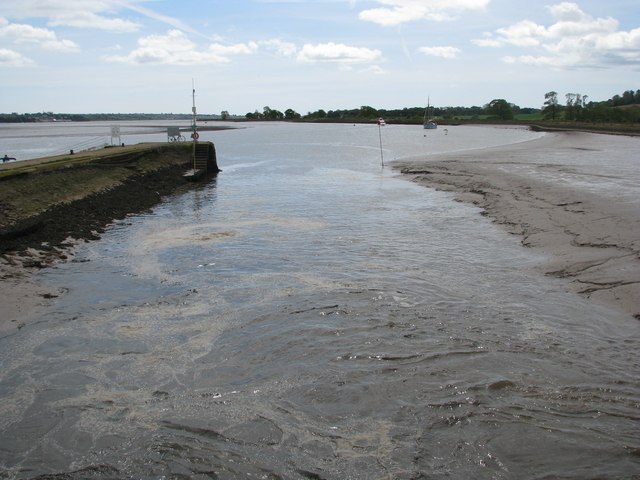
[338,53]
[574,40]
[523,34]
[92,20]
[169,20]
[442,52]
[487,41]
[9,58]
[175,48]
[90,14]
[572,21]
[396,12]
[23,33]
[567,12]
[285,49]
[225,51]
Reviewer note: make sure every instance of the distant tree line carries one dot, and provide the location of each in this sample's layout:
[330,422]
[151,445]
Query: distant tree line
[624,108]
[576,108]
[619,109]
[87,117]
[627,98]
[272,114]
[498,109]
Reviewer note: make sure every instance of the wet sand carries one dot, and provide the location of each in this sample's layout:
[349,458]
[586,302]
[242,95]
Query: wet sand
[573,196]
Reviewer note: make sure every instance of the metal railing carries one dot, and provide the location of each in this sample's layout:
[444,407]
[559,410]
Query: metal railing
[90,144]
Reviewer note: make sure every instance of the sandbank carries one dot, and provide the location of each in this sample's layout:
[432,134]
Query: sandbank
[573,196]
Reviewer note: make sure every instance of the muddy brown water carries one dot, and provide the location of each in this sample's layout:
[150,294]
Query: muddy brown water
[309,314]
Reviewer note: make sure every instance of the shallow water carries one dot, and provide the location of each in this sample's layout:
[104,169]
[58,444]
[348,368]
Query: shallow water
[308,314]
[24,141]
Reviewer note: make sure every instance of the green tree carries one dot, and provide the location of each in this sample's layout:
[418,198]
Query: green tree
[581,106]
[253,115]
[500,108]
[551,106]
[271,114]
[290,114]
[317,114]
[628,97]
[368,112]
[575,106]
[224,115]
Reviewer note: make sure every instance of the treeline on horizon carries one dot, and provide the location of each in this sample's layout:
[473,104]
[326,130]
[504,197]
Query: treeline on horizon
[88,117]
[576,107]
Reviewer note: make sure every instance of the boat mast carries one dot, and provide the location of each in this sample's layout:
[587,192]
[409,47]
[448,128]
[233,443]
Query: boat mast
[193,109]
[426,111]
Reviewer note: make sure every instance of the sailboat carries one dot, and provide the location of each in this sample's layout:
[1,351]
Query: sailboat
[428,124]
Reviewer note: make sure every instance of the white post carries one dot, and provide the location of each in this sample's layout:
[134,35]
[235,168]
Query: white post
[115,132]
[380,135]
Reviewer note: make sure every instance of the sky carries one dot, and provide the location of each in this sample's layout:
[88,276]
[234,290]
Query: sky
[128,56]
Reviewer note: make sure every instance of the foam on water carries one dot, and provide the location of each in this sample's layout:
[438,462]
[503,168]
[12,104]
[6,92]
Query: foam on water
[311,315]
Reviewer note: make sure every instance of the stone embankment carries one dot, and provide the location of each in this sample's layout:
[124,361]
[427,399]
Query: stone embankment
[46,204]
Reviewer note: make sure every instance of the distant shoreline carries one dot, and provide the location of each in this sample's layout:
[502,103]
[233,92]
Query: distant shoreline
[613,129]
[632,129]
[605,128]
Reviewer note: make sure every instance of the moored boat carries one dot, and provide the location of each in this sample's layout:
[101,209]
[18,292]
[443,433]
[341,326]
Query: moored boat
[428,124]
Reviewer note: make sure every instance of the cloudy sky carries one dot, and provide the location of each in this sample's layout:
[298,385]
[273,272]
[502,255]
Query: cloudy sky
[84,56]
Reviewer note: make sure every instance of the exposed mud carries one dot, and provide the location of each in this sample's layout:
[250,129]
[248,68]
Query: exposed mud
[560,205]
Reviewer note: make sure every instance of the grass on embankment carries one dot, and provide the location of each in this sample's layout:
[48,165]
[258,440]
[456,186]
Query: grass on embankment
[29,188]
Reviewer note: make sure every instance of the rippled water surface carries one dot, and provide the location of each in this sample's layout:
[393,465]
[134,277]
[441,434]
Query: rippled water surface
[308,314]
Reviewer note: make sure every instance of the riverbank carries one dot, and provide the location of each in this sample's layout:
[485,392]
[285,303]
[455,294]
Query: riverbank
[48,205]
[45,201]
[572,196]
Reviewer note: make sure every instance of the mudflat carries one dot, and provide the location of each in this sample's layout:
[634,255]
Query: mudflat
[574,196]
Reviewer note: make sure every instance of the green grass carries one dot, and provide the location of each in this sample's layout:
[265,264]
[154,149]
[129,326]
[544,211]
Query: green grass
[529,117]
[30,190]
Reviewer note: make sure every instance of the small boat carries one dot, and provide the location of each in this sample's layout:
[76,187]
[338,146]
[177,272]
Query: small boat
[381,122]
[428,124]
